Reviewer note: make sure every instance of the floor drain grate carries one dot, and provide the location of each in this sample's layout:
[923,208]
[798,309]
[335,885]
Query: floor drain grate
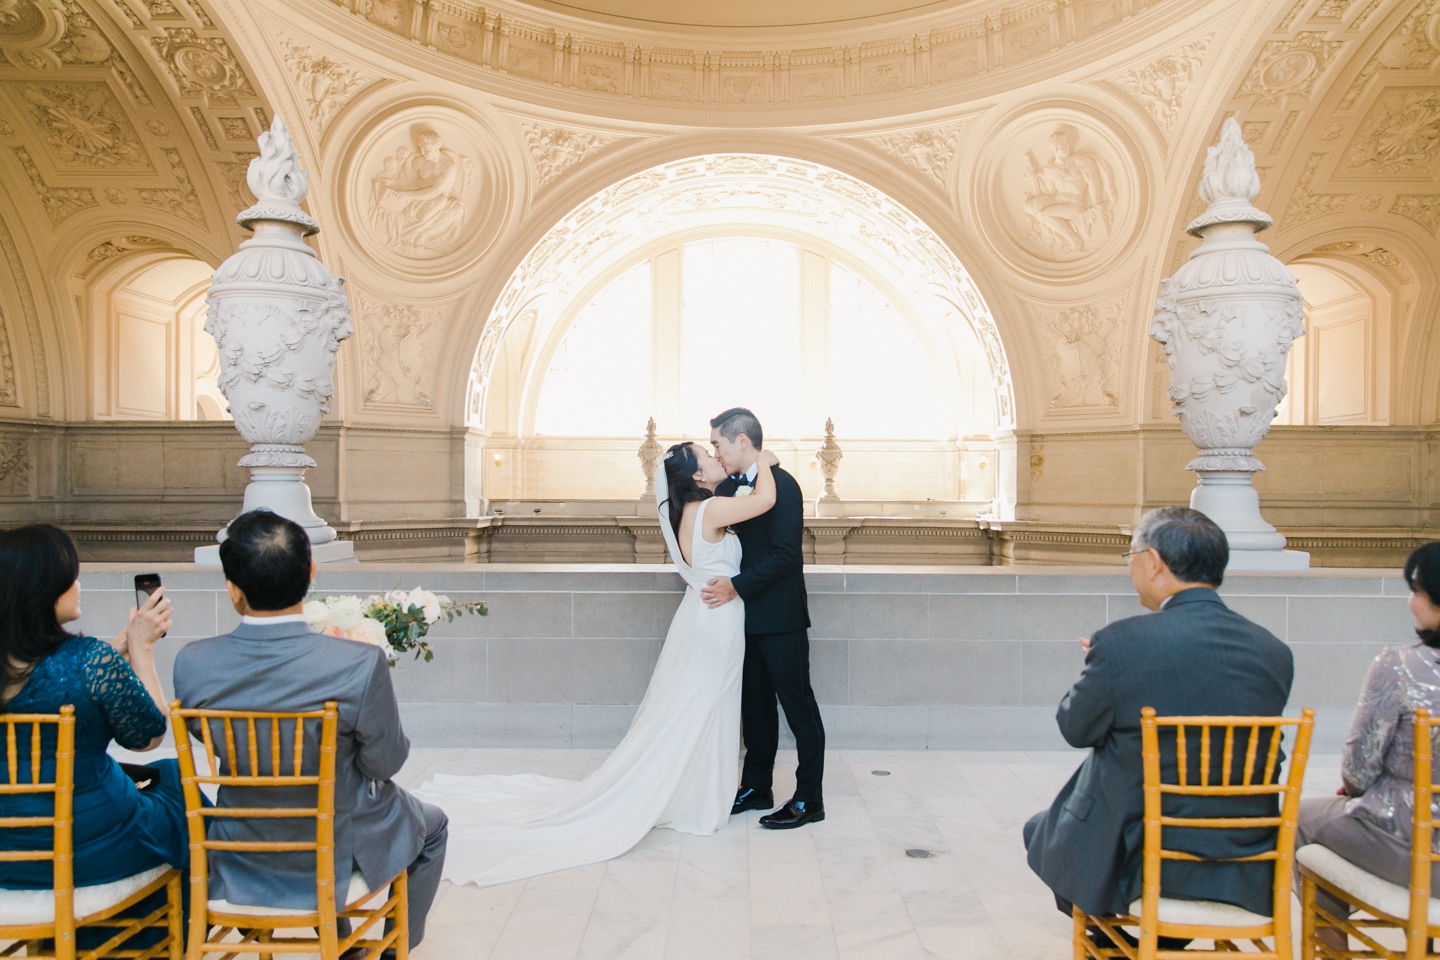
[879,773]
[919,854]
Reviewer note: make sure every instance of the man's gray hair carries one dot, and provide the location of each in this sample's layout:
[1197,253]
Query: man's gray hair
[1190,543]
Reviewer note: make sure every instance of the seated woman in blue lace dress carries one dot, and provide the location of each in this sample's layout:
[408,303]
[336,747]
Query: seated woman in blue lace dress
[119,830]
[1369,821]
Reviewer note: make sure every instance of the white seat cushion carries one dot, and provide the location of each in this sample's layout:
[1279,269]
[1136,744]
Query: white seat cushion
[1203,913]
[357,890]
[23,907]
[1361,884]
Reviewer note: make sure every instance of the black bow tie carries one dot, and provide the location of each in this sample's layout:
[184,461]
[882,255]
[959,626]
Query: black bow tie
[741,478]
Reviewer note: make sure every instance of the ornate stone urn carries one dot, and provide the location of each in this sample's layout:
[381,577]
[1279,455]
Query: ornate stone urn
[1226,320]
[278,316]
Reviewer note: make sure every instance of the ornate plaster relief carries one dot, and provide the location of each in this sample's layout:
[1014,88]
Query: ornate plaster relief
[9,389]
[1160,86]
[202,66]
[325,85]
[426,190]
[399,342]
[38,363]
[1084,344]
[834,64]
[1058,193]
[84,126]
[1289,69]
[556,148]
[1399,139]
[927,151]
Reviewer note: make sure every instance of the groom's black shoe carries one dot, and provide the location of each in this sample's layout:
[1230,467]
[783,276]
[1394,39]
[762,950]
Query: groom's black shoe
[751,799]
[794,814]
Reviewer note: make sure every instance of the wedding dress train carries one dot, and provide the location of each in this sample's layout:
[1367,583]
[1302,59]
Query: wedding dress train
[676,767]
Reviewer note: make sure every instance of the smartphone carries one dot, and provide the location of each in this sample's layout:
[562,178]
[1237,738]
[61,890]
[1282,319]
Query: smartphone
[145,585]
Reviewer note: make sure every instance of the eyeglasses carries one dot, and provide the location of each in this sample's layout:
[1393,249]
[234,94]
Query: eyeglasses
[1130,553]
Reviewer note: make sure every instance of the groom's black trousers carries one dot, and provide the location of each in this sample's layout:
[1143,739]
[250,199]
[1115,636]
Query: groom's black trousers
[777,666]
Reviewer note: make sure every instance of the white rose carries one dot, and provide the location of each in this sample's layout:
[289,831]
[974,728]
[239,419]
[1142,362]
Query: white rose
[345,612]
[318,614]
[428,603]
[744,491]
[370,631]
[397,598]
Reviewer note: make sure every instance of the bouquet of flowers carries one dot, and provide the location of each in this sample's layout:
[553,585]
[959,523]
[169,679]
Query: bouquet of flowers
[396,621]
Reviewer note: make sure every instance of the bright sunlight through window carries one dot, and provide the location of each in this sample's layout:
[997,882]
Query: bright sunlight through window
[740,343]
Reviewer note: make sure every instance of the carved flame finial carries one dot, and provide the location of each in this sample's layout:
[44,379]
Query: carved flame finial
[276,173]
[1229,183]
[277,180]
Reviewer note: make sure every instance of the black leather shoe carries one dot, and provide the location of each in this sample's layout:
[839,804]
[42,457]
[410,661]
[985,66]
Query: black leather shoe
[748,798]
[794,814]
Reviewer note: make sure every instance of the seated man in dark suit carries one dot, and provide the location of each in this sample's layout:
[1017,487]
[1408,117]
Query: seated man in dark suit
[1192,656]
[275,661]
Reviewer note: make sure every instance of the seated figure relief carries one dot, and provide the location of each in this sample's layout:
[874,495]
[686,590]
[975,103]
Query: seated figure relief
[418,200]
[1069,199]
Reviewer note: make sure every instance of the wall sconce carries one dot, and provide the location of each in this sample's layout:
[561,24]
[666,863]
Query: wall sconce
[983,463]
[497,459]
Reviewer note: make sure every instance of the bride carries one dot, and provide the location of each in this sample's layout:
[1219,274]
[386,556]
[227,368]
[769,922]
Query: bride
[677,766]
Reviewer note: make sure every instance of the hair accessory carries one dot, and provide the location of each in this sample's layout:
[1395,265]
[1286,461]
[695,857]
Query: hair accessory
[668,454]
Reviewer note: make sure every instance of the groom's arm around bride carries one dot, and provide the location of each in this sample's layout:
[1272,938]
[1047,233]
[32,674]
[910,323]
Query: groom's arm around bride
[777,645]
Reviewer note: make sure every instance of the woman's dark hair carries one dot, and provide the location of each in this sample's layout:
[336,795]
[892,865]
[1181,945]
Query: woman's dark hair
[1422,575]
[38,564]
[680,468]
[268,558]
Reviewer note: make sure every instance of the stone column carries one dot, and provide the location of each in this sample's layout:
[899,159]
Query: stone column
[1226,320]
[278,316]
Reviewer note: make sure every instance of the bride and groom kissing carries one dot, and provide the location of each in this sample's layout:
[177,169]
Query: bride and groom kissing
[732,521]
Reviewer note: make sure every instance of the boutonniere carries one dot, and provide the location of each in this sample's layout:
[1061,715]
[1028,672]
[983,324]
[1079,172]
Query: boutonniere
[744,491]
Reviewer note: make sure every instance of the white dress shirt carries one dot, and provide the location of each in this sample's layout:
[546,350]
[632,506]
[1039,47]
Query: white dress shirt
[271,621]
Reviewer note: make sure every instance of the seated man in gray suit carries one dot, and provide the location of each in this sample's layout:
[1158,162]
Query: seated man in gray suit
[1192,656]
[274,661]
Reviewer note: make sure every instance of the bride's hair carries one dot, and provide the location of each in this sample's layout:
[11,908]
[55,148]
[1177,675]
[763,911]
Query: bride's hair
[680,468]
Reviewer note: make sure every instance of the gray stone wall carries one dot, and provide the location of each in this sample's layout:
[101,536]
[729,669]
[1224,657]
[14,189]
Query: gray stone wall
[956,658]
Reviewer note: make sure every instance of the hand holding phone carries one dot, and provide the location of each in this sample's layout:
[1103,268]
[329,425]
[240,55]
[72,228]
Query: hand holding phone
[150,620]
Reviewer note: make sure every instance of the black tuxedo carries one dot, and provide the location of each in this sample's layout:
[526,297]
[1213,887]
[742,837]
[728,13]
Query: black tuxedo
[777,647]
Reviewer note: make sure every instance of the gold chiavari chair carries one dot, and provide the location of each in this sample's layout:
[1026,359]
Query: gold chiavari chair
[30,917]
[1158,916]
[1389,905]
[213,923]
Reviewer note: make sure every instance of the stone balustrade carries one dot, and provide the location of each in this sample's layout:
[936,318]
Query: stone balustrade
[926,657]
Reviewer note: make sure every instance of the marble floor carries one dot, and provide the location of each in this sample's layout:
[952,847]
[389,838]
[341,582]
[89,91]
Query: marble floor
[843,889]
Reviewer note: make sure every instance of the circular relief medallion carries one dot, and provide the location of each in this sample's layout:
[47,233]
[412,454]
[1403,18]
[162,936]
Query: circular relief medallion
[25,24]
[1288,72]
[20,20]
[202,66]
[1058,193]
[427,190]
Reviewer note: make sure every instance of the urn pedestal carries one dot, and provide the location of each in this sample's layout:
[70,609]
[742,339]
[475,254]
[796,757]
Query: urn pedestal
[278,317]
[1226,320]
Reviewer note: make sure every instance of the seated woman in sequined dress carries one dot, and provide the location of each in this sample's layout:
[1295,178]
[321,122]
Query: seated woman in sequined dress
[1369,821]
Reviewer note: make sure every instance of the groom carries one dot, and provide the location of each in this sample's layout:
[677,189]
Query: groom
[777,648]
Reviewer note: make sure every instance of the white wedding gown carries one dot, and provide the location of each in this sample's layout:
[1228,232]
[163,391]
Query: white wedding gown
[677,766]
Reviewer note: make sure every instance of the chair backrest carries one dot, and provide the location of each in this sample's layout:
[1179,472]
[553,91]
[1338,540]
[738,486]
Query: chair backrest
[1422,854]
[1249,772]
[243,750]
[62,786]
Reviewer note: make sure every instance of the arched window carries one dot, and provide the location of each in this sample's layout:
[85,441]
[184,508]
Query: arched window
[765,323]
[599,381]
